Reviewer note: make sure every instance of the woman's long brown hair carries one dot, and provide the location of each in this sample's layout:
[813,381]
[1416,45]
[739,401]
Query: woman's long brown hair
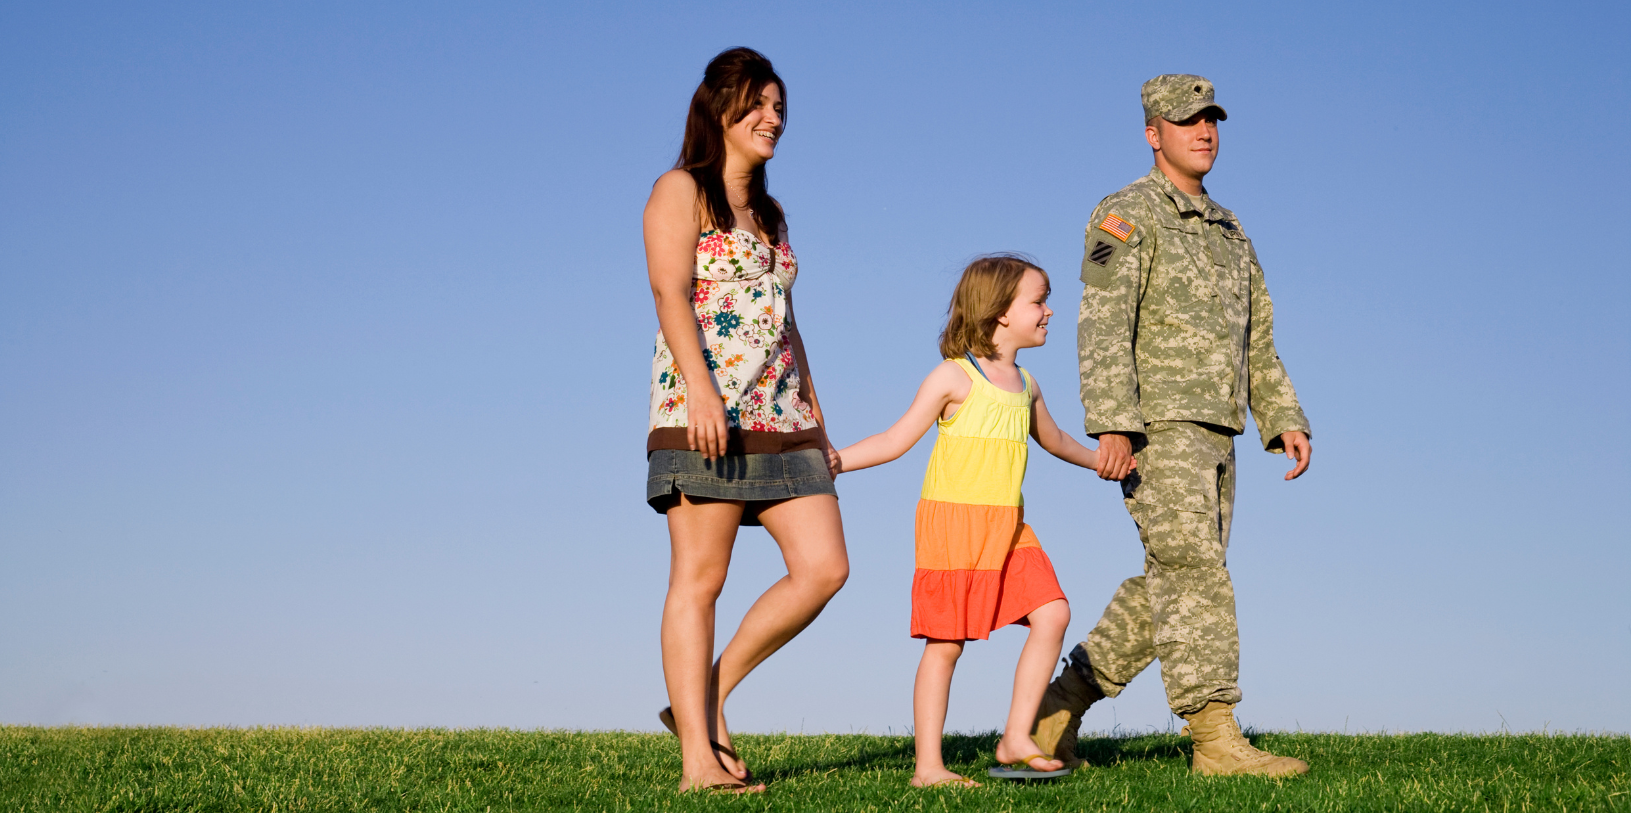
[729,91]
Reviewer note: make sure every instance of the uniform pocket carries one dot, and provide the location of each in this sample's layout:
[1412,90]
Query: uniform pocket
[1175,470]
[1232,257]
[1182,278]
[1156,485]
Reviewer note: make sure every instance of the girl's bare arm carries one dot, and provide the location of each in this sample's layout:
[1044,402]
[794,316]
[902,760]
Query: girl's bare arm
[946,385]
[672,225]
[1055,440]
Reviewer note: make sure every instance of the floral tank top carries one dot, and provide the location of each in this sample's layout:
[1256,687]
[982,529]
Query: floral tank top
[739,292]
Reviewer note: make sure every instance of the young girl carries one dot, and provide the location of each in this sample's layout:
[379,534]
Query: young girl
[979,566]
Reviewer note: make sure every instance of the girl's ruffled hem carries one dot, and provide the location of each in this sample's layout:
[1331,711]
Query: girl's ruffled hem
[965,605]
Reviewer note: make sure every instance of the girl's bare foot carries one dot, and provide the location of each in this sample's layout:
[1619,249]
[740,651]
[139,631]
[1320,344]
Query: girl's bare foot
[942,778]
[1011,749]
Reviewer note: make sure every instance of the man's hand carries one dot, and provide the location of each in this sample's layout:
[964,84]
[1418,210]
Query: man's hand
[1116,456]
[1299,450]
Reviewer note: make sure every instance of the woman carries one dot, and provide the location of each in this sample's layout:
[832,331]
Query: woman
[736,433]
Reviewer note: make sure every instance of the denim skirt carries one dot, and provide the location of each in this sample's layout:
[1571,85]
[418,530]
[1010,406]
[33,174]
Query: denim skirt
[756,479]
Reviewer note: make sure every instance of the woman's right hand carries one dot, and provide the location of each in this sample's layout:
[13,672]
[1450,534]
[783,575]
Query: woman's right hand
[672,225]
[705,428]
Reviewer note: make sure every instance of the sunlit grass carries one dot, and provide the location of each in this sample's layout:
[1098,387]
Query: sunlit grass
[311,769]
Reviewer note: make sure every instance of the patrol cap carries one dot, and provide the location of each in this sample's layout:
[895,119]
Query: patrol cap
[1177,96]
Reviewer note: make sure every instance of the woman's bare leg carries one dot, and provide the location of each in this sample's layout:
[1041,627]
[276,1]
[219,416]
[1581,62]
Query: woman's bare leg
[929,696]
[701,536]
[1031,677]
[810,532]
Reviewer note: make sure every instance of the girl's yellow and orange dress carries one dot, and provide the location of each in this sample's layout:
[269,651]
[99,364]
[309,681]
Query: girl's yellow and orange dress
[979,566]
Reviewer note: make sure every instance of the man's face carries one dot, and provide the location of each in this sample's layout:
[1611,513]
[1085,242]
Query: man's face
[1189,146]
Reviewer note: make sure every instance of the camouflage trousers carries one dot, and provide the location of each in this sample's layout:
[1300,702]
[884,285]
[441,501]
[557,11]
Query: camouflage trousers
[1182,610]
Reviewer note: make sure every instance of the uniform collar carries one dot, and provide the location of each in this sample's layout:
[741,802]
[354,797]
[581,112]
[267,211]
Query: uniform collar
[1201,205]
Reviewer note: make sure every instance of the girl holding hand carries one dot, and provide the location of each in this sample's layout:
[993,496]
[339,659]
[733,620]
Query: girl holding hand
[979,566]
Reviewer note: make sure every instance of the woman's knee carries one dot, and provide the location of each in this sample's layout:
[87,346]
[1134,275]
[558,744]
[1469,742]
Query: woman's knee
[697,583]
[833,576]
[824,576]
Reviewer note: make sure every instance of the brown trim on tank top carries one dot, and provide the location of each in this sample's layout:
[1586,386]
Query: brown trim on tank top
[739,441]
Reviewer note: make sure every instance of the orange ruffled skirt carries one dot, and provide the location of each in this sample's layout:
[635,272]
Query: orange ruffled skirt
[979,567]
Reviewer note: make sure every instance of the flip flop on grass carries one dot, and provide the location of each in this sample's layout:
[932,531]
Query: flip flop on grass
[666,717]
[1021,769]
[730,788]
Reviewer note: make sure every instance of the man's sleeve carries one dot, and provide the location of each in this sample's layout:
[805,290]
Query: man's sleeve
[1273,400]
[1115,269]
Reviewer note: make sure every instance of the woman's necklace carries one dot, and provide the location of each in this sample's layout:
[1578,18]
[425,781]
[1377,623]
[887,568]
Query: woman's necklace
[745,198]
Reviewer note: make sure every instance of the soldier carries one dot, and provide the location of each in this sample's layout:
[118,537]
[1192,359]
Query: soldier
[1176,342]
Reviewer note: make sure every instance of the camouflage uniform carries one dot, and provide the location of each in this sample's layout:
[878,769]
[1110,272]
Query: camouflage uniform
[1176,344]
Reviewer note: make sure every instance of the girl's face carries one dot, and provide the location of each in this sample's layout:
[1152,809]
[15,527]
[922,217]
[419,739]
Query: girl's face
[1026,322]
[755,136]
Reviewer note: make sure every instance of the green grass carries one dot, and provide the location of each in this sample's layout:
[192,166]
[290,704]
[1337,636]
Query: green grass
[290,769]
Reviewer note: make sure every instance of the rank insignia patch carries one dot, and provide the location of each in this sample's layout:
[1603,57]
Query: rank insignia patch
[1115,225]
[1100,253]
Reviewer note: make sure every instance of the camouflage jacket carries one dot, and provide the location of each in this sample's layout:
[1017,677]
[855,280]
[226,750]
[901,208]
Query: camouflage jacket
[1176,323]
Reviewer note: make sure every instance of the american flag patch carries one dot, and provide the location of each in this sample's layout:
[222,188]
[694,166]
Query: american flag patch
[1115,225]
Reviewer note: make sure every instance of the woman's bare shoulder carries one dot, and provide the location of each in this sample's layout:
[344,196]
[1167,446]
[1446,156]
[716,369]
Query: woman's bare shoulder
[674,182]
[674,201]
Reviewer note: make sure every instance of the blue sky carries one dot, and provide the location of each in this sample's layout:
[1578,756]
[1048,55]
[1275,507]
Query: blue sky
[324,335]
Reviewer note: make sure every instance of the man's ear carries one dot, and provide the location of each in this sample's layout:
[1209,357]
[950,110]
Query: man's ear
[1152,134]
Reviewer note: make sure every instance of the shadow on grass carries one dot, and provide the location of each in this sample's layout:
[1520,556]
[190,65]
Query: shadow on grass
[980,749]
[1103,751]
[884,754]
[1095,751]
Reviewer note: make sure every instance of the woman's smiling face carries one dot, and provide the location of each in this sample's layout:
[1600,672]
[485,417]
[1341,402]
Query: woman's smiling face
[755,136]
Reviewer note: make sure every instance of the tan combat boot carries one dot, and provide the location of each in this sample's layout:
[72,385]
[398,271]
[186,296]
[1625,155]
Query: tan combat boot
[1221,750]
[1060,715]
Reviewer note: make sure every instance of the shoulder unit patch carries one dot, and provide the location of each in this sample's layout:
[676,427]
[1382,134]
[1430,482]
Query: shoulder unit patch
[1118,227]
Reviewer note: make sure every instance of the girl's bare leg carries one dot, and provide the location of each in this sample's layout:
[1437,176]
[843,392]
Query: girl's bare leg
[810,532]
[701,535]
[1031,677]
[929,696]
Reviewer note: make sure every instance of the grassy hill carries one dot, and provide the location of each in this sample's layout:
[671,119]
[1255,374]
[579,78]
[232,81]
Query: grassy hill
[290,769]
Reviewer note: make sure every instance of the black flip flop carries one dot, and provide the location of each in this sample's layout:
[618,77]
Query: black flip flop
[666,717]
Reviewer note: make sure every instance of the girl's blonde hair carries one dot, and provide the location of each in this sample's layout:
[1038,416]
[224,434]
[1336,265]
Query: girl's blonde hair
[982,296]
